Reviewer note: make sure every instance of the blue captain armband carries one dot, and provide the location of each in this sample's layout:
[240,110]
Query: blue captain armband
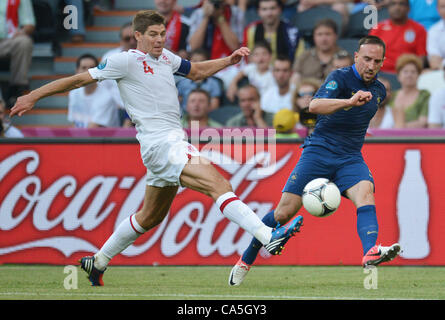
[184,68]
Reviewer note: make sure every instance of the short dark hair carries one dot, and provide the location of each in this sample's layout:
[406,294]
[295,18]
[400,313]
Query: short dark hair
[329,23]
[86,56]
[280,4]
[263,44]
[146,18]
[372,40]
[283,57]
[125,26]
[199,90]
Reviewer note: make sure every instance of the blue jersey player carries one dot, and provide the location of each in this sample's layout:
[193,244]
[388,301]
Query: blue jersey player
[344,105]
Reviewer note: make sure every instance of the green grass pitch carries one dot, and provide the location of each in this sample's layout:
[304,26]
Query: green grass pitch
[30,282]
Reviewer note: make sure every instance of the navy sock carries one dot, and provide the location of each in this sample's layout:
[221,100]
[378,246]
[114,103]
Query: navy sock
[367,226]
[254,247]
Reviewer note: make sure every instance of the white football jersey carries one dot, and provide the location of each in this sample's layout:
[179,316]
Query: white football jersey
[148,91]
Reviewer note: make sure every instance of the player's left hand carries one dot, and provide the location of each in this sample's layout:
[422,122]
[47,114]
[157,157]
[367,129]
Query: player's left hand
[22,105]
[238,54]
[360,98]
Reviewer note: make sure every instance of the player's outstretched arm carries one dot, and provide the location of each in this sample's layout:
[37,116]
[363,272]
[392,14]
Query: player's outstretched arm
[205,69]
[27,102]
[328,106]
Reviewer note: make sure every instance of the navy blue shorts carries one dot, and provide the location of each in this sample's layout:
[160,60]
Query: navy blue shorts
[318,162]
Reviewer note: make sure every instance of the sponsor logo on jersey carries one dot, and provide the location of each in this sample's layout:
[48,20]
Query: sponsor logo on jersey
[102,64]
[332,85]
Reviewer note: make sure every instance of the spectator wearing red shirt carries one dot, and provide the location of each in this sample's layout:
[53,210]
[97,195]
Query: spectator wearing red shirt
[400,34]
[177,28]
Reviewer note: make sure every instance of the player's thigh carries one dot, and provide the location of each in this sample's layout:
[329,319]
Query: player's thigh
[313,163]
[200,175]
[157,203]
[288,206]
[355,181]
[361,194]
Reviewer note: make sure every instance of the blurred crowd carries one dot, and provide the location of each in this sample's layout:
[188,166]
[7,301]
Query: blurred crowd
[287,65]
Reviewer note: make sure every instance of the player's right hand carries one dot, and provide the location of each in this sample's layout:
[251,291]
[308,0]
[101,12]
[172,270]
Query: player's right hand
[22,105]
[360,98]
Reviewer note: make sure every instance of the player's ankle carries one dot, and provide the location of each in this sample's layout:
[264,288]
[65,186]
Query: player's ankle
[263,234]
[101,261]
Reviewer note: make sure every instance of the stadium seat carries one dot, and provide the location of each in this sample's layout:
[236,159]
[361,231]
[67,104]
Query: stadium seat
[349,44]
[355,27]
[306,20]
[224,113]
[392,78]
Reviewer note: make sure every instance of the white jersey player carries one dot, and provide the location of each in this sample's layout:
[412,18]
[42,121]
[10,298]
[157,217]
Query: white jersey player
[147,87]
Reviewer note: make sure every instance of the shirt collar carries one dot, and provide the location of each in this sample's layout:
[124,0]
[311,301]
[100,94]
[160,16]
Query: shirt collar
[357,75]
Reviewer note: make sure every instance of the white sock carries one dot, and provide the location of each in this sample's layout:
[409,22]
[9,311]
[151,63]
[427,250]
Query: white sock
[125,234]
[237,211]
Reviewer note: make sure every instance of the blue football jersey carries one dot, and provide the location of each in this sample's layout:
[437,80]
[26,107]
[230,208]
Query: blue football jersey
[344,131]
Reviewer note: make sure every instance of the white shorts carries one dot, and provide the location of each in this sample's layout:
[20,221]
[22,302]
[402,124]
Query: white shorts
[166,160]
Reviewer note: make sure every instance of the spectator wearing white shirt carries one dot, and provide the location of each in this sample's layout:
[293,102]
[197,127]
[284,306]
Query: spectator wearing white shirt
[436,108]
[279,96]
[435,45]
[95,105]
[258,71]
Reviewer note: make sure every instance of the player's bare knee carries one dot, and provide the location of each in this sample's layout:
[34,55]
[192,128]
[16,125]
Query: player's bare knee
[284,213]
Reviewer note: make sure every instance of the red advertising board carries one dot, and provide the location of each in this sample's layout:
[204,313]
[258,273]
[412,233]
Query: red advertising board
[59,202]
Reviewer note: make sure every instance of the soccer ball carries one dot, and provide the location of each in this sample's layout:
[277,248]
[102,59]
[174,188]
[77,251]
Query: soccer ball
[321,197]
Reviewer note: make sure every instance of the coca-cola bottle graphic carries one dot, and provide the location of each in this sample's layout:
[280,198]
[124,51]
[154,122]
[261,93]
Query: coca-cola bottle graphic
[413,209]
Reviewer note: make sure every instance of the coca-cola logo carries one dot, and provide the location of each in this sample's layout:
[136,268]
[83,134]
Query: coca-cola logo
[88,206]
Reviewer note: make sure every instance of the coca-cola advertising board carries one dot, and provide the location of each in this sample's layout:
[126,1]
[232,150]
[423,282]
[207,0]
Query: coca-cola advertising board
[61,201]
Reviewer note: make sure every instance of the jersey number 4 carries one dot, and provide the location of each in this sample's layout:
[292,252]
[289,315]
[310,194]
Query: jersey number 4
[147,68]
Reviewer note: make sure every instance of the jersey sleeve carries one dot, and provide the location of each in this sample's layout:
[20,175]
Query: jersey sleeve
[180,67]
[113,68]
[331,88]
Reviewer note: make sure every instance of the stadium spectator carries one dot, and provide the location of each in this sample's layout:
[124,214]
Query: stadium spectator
[217,26]
[6,129]
[383,117]
[409,104]
[198,108]
[436,108]
[317,61]
[177,27]
[284,122]
[211,84]
[282,37]
[435,44]
[258,71]
[251,114]
[279,96]
[424,12]
[301,97]
[127,41]
[303,93]
[94,105]
[400,34]
[17,24]
[342,59]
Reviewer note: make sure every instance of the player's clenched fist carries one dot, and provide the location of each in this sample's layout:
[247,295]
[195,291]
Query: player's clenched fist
[360,98]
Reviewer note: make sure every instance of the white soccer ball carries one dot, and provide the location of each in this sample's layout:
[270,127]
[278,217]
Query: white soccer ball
[321,197]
